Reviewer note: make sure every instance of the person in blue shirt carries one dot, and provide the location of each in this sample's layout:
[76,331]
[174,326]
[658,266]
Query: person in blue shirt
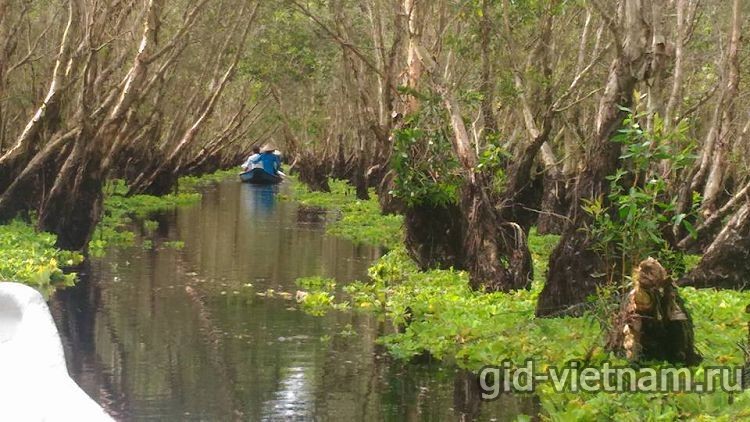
[270,161]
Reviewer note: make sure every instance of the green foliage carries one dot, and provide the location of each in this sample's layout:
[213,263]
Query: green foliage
[360,222]
[174,244]
[187,184]
[291,48]
[452,321]
[318,296]
[114,228]
[456,324]
[641,207]
[492,160]
[30,257]
[287,56]
[150,226]
[320,303]
[427,171]
[316,284]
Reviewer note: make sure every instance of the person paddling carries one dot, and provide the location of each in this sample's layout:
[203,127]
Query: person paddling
[271,161]
[263,168]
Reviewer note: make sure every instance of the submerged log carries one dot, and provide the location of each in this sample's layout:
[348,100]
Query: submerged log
[653,322]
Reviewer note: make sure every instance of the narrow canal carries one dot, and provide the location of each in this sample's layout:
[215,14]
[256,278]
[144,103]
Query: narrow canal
[206,329]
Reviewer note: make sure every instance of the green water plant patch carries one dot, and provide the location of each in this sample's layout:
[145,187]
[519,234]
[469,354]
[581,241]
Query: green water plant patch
[360,221]
[120,209]
[438,313]
[30,257]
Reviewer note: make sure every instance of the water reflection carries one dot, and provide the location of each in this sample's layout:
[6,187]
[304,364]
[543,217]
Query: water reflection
[166,334]
[259,200]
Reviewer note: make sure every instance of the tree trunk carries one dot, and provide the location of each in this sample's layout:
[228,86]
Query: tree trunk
[435,235]
[46,118]
[720,155]
[555,202]
[496,250]
[74,206]
[360,180]
[574,269]
[675,96]
[24,191]
[552,219]
[726,262]
[413,10]
[389,204]
[342,165]
[493,249]
[488,87]
[313,172]
[653,322]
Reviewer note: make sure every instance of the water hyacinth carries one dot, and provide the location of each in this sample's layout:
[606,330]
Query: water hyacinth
[30,257]
[439,314]
[359,221]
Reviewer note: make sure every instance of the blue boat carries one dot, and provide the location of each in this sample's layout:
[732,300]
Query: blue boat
[258,176]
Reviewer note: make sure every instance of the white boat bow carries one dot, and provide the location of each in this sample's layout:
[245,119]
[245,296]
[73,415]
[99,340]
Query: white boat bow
[34,380]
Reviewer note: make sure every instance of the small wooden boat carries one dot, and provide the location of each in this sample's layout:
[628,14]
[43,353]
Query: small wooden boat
[258,176]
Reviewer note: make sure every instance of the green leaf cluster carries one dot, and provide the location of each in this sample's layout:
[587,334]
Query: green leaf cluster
[427,171]
[642,207]
[115,227]
[31,257]
[444,317]
[360,221]
[316,284]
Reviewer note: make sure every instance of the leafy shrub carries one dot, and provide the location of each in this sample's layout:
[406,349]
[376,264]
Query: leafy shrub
[427,171]
[641,206]
[319,303]
[493,160]
[174,244]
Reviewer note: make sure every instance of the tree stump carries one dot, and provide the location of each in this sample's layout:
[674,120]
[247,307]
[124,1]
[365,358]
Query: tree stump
[653,322]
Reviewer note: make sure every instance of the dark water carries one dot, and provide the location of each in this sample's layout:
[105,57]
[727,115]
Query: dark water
[182,334]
